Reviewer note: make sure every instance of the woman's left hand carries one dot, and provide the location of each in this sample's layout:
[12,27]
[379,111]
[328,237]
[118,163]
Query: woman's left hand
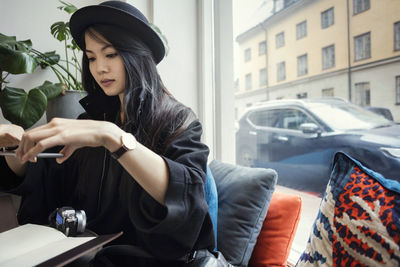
[70,133]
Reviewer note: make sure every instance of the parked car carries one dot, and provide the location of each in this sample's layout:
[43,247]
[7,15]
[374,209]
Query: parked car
[298,138]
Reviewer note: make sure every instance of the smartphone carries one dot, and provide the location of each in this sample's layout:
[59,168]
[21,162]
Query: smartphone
[40,155]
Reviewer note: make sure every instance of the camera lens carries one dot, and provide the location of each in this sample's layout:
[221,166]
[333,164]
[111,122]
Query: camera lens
[81,221]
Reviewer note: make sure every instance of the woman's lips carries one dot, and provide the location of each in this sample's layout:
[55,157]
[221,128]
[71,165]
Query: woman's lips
[106,82]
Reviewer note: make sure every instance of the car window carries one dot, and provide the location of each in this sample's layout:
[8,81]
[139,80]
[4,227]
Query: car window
[265,118]
[293,118]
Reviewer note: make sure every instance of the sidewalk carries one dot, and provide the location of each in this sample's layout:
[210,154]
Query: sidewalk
[310,206]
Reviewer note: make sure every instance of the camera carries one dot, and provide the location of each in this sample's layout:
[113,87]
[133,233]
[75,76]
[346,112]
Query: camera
[69,221]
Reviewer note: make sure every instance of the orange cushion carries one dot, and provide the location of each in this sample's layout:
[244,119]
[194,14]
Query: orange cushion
[278,230]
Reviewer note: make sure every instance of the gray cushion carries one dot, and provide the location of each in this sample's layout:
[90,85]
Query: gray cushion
[244,195]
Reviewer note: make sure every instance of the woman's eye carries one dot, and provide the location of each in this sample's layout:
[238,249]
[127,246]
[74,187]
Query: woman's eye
[112,55]
[91,59]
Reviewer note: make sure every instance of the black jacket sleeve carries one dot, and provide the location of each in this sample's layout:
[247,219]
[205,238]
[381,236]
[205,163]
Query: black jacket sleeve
[9,179]
[183,224]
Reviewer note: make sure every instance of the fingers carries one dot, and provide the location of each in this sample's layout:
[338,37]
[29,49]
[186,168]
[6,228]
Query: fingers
[67,151]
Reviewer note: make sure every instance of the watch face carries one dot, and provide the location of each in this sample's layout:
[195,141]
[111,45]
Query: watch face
[129,141]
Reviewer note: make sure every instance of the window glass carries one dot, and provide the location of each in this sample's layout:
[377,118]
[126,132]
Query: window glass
[247,55]
[398,90]
[262,48]
[248,81]
[265,118]
[362,95]
[302,65]
[281,71]
[280,39]
[328,92]
[327,18]
[362,46]
[328,57]
[301,30]
[263,77]
[397,36]
[360,6]
[293,118]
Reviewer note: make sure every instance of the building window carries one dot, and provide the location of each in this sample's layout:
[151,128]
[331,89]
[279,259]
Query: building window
[263,77]
[247,55]
[328,92]
[281,71]
[362,46]
[262,48]
[302,95]
[360,6]
[248,81]
[327,18]
[280,39]
[397,89]
[301,30]
[328,57]
[362,94]
[397,36]
[302,62]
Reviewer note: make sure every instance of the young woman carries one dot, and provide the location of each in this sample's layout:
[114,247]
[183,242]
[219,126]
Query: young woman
[133,162]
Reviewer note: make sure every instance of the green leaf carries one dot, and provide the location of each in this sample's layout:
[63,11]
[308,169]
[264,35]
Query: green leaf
[68,7]
[14,55]
[60,30]
[21,108]
[50,89]
[48,58]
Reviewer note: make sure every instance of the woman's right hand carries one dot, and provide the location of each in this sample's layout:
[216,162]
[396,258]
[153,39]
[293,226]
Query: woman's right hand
[10,135]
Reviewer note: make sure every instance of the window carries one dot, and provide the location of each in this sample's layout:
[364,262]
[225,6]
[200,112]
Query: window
[301,95]
[360,6]
[280,39]
[262,48]
[248,81]
[263,77]
[265,118]
[328,92]
[362,46]
[327,18]
[301,30]
[362,94]
[397,36]
[302,63]
[328,57]
[397,89]
[292,119]
[247,55]
[281,71]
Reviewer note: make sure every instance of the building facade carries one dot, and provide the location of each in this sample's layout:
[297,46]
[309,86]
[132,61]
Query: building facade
[316,48]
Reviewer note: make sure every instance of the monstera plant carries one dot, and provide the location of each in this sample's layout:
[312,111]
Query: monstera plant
[26,107]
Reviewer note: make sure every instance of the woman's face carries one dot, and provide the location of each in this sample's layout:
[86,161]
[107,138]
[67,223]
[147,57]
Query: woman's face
[105,65]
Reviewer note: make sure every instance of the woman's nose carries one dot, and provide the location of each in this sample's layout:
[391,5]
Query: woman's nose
[101,66]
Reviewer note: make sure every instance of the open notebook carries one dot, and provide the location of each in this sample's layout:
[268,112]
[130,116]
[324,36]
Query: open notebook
[38,245]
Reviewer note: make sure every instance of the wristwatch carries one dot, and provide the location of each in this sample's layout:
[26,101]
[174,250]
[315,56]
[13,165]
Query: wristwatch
[128,143]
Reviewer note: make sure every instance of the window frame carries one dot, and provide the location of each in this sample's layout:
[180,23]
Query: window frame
[262,51]
[364,93]
[325,66]
[397,89]
[263,83]
[301,30]
[281,67]
[302,67]
[330,89]
[248,81]
[324,13]
[396,37]
[247,54]
[364,7]
[368,45]
[280,39]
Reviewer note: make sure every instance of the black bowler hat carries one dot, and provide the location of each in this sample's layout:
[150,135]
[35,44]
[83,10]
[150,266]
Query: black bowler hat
[119,14]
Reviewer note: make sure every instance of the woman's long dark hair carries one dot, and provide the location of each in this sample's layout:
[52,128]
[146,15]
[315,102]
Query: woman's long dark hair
[156,118]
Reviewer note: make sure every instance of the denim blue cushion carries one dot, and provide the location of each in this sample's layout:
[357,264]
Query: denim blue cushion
[212,199]
[243,199]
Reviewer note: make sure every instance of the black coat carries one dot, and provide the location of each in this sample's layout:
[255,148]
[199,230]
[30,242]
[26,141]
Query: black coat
[113,201]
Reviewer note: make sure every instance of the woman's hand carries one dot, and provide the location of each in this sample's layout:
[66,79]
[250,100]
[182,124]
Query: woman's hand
[10,135]
[70,133]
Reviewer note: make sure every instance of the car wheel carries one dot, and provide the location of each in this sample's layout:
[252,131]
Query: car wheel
[247,157]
